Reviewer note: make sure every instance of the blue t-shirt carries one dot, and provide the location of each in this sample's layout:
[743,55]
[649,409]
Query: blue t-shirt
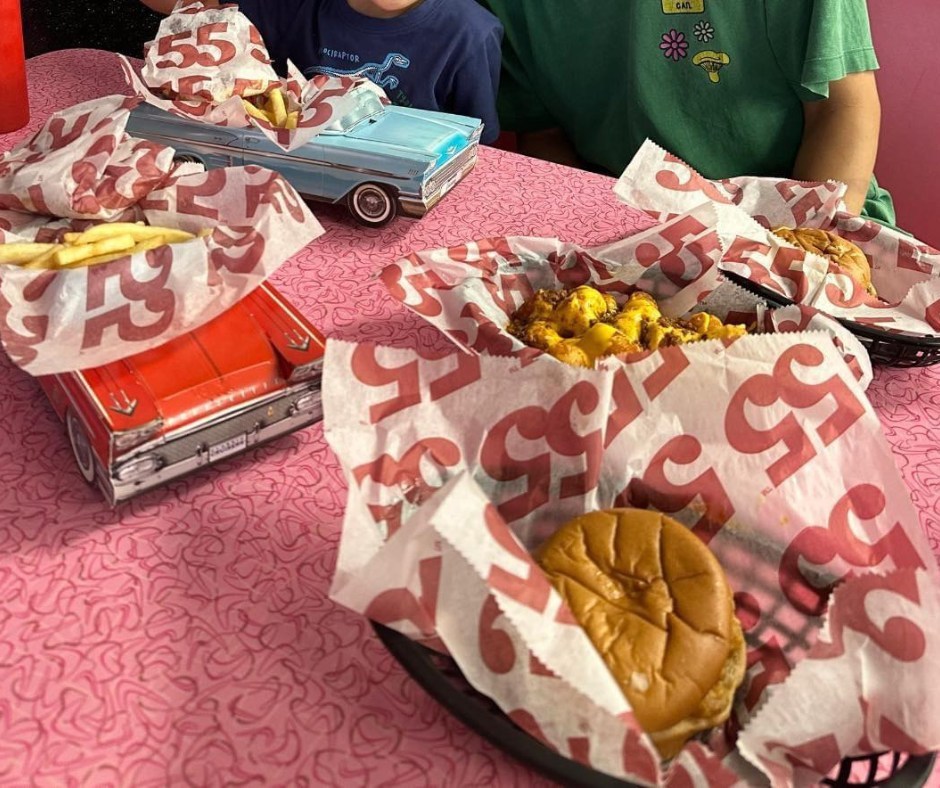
[441,55]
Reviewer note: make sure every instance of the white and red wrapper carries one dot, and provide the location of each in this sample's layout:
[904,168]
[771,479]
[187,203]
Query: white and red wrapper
[207,54]
[80,169]
[459,465]
[470,291]
[204,60]
[905,272]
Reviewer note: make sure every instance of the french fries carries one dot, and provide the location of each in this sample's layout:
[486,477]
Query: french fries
[98,244]
[138,232]
[22,252]
[43,260]
[252,110]
[79,252]
[276,107]
[273,109]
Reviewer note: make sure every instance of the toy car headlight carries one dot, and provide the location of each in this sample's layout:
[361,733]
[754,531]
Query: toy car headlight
[308,402]
[131,438]
[138,467]
[304,371]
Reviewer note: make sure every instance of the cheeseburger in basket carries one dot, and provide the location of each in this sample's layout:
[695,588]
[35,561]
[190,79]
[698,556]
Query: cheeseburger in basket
[656,604]
[485,515]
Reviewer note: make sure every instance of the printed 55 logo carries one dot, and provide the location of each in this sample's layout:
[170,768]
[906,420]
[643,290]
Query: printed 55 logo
[762,419]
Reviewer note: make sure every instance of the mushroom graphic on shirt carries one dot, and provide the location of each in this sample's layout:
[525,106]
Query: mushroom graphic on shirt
[712,62]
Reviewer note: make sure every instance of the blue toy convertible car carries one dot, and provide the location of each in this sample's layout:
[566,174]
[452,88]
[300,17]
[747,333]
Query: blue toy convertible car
[381,160]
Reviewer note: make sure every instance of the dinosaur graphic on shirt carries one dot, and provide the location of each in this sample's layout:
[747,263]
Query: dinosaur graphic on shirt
[376,72]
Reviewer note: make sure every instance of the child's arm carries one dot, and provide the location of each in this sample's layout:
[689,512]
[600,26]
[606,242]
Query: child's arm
[165,6]
[840,139]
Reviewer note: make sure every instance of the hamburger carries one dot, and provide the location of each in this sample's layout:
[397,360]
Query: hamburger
[846,255]
[656,604]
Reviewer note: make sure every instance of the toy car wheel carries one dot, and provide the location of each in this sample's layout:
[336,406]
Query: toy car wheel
[81,448]
[187,158]
[371,204]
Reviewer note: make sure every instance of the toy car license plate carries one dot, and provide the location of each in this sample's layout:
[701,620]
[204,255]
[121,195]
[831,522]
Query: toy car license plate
[226,447]
[449,184]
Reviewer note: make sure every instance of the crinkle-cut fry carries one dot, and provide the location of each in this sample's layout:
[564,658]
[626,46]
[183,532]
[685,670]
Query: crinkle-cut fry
[138,232]
[252,110]
[74,254]
[276,107]
[44,260]
[22,252]
[291,122]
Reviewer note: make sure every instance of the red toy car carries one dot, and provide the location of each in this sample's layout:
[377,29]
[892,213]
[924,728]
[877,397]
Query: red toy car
[249,375]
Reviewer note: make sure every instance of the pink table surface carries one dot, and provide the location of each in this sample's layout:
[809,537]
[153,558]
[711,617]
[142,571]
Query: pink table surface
[186,637]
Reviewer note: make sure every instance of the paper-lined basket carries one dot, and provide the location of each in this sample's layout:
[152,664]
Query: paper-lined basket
[459,465]
[206,60]
[80,169]
[470,291]
[905,272]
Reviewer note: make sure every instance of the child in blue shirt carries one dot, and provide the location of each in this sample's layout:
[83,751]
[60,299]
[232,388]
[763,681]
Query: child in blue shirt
[439,55]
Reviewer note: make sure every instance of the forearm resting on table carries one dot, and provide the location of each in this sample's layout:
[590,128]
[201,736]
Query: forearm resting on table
[840,139]
[549,145]
[165,6]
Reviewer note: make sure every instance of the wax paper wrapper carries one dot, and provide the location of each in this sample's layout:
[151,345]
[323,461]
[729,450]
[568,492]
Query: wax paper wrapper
[459,465]
[470,291]
[205,60]
[905,272]
[81,168]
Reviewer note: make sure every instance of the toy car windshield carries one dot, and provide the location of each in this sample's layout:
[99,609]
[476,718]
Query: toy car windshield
[367,104]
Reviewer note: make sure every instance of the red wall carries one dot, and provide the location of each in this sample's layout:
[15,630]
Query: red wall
[907,34]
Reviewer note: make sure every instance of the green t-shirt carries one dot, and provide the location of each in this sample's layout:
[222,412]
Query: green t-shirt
[718,82]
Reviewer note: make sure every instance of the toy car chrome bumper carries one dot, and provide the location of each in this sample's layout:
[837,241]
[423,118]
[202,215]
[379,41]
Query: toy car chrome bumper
[444,180]
[151,466]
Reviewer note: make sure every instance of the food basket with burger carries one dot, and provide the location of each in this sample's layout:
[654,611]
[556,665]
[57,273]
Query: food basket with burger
[589,546]
[793,242]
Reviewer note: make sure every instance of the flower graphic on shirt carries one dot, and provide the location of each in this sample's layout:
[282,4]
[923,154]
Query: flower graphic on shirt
[674,45]
[704,32]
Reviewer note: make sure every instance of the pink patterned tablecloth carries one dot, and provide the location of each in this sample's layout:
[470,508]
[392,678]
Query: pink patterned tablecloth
[186,637]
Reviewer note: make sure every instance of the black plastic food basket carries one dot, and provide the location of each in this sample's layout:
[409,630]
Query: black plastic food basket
[442,680]
[886,348]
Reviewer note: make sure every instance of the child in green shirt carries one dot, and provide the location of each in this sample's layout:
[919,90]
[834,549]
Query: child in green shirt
[736,87]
